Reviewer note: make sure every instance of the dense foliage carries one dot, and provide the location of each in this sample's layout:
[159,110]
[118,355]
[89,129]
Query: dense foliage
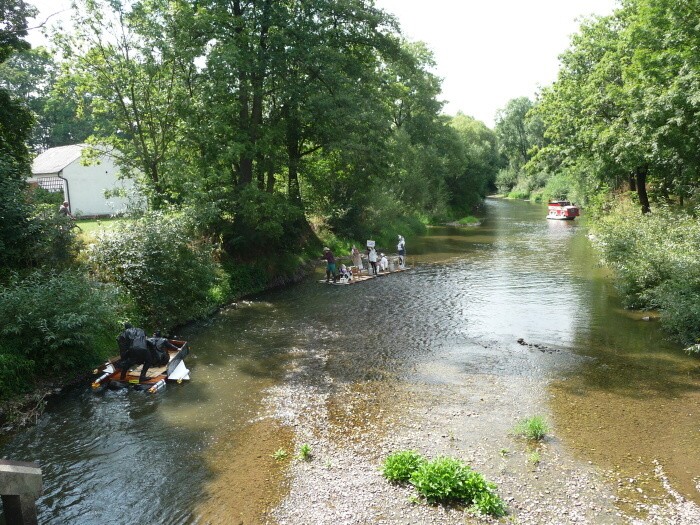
[656,259]
[164,268]
[319,104]
[621,123]
[53,325]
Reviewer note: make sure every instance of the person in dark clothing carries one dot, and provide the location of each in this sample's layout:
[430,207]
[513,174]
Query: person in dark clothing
[159,347]
[330,265]
[137,356]
[133,341]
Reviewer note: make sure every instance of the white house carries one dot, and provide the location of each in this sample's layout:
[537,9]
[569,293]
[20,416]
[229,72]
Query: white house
[61,169]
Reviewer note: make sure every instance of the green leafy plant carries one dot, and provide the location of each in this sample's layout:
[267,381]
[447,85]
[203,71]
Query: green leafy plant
[304,452]
[163,265]
[534,458]
[490,504]
[446,479]
[400,465]
[534,428]
[280,454]
[54,324]
[443,480]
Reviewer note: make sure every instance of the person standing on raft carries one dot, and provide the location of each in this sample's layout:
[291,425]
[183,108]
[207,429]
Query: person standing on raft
[330,264]
[401,248]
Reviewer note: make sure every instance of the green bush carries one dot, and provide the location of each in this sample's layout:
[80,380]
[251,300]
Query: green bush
[656,264]
[534,428]
[446,479]
[16,374]
[53,325]
[399,466]
[56,243]
[166,269]
[264,223]
[468,220]
[518,194]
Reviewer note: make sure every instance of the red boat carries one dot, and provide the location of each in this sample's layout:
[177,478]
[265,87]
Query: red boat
[562,210]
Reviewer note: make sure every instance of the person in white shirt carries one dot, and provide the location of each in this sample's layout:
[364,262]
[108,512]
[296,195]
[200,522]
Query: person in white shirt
[372,256]
[401,248]
[383,263]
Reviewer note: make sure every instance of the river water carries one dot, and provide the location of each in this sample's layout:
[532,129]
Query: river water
[618,394]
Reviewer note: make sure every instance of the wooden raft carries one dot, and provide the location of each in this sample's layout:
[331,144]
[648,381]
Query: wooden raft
[361,278]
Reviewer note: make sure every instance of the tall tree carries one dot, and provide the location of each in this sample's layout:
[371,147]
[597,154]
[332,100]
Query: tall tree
[15,128]
[124,61]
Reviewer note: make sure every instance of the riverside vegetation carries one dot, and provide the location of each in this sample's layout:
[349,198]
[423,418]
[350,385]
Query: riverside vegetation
[317,123]
[618,133]
[312,123]
[444,480]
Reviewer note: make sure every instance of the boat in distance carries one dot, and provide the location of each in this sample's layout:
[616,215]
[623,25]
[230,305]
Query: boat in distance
[562,210]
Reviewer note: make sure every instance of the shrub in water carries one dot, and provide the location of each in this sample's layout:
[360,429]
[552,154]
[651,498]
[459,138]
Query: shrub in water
[534,428]
[399,466]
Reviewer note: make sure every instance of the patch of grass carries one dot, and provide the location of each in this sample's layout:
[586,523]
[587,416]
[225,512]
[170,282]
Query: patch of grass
[399,466]
[304,452]
[534,458]
[280,454]
[468,220]
[91,227]
[534,428]
[504,452]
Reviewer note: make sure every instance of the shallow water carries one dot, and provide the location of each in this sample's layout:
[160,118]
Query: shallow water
[619,394]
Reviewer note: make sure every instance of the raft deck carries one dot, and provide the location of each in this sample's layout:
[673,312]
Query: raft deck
[361,277]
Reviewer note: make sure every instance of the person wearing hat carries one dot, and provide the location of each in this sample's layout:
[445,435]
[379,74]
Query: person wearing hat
[383,262]
[330,264]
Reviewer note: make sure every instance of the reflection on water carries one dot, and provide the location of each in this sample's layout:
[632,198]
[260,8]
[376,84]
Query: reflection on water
[622,395]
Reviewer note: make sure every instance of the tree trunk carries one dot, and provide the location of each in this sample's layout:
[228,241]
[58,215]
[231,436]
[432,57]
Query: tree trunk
[250,97]
[641,181]
[292,135]
[270,180]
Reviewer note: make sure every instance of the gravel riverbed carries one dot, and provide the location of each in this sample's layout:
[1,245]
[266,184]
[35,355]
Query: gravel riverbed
[352,427]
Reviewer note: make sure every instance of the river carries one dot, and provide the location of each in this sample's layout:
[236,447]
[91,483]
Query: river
[618,394]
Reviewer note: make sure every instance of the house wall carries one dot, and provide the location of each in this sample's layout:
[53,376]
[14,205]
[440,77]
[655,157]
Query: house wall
[87,184]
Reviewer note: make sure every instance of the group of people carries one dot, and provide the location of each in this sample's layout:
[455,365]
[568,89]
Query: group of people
[137,349]
[377,261]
